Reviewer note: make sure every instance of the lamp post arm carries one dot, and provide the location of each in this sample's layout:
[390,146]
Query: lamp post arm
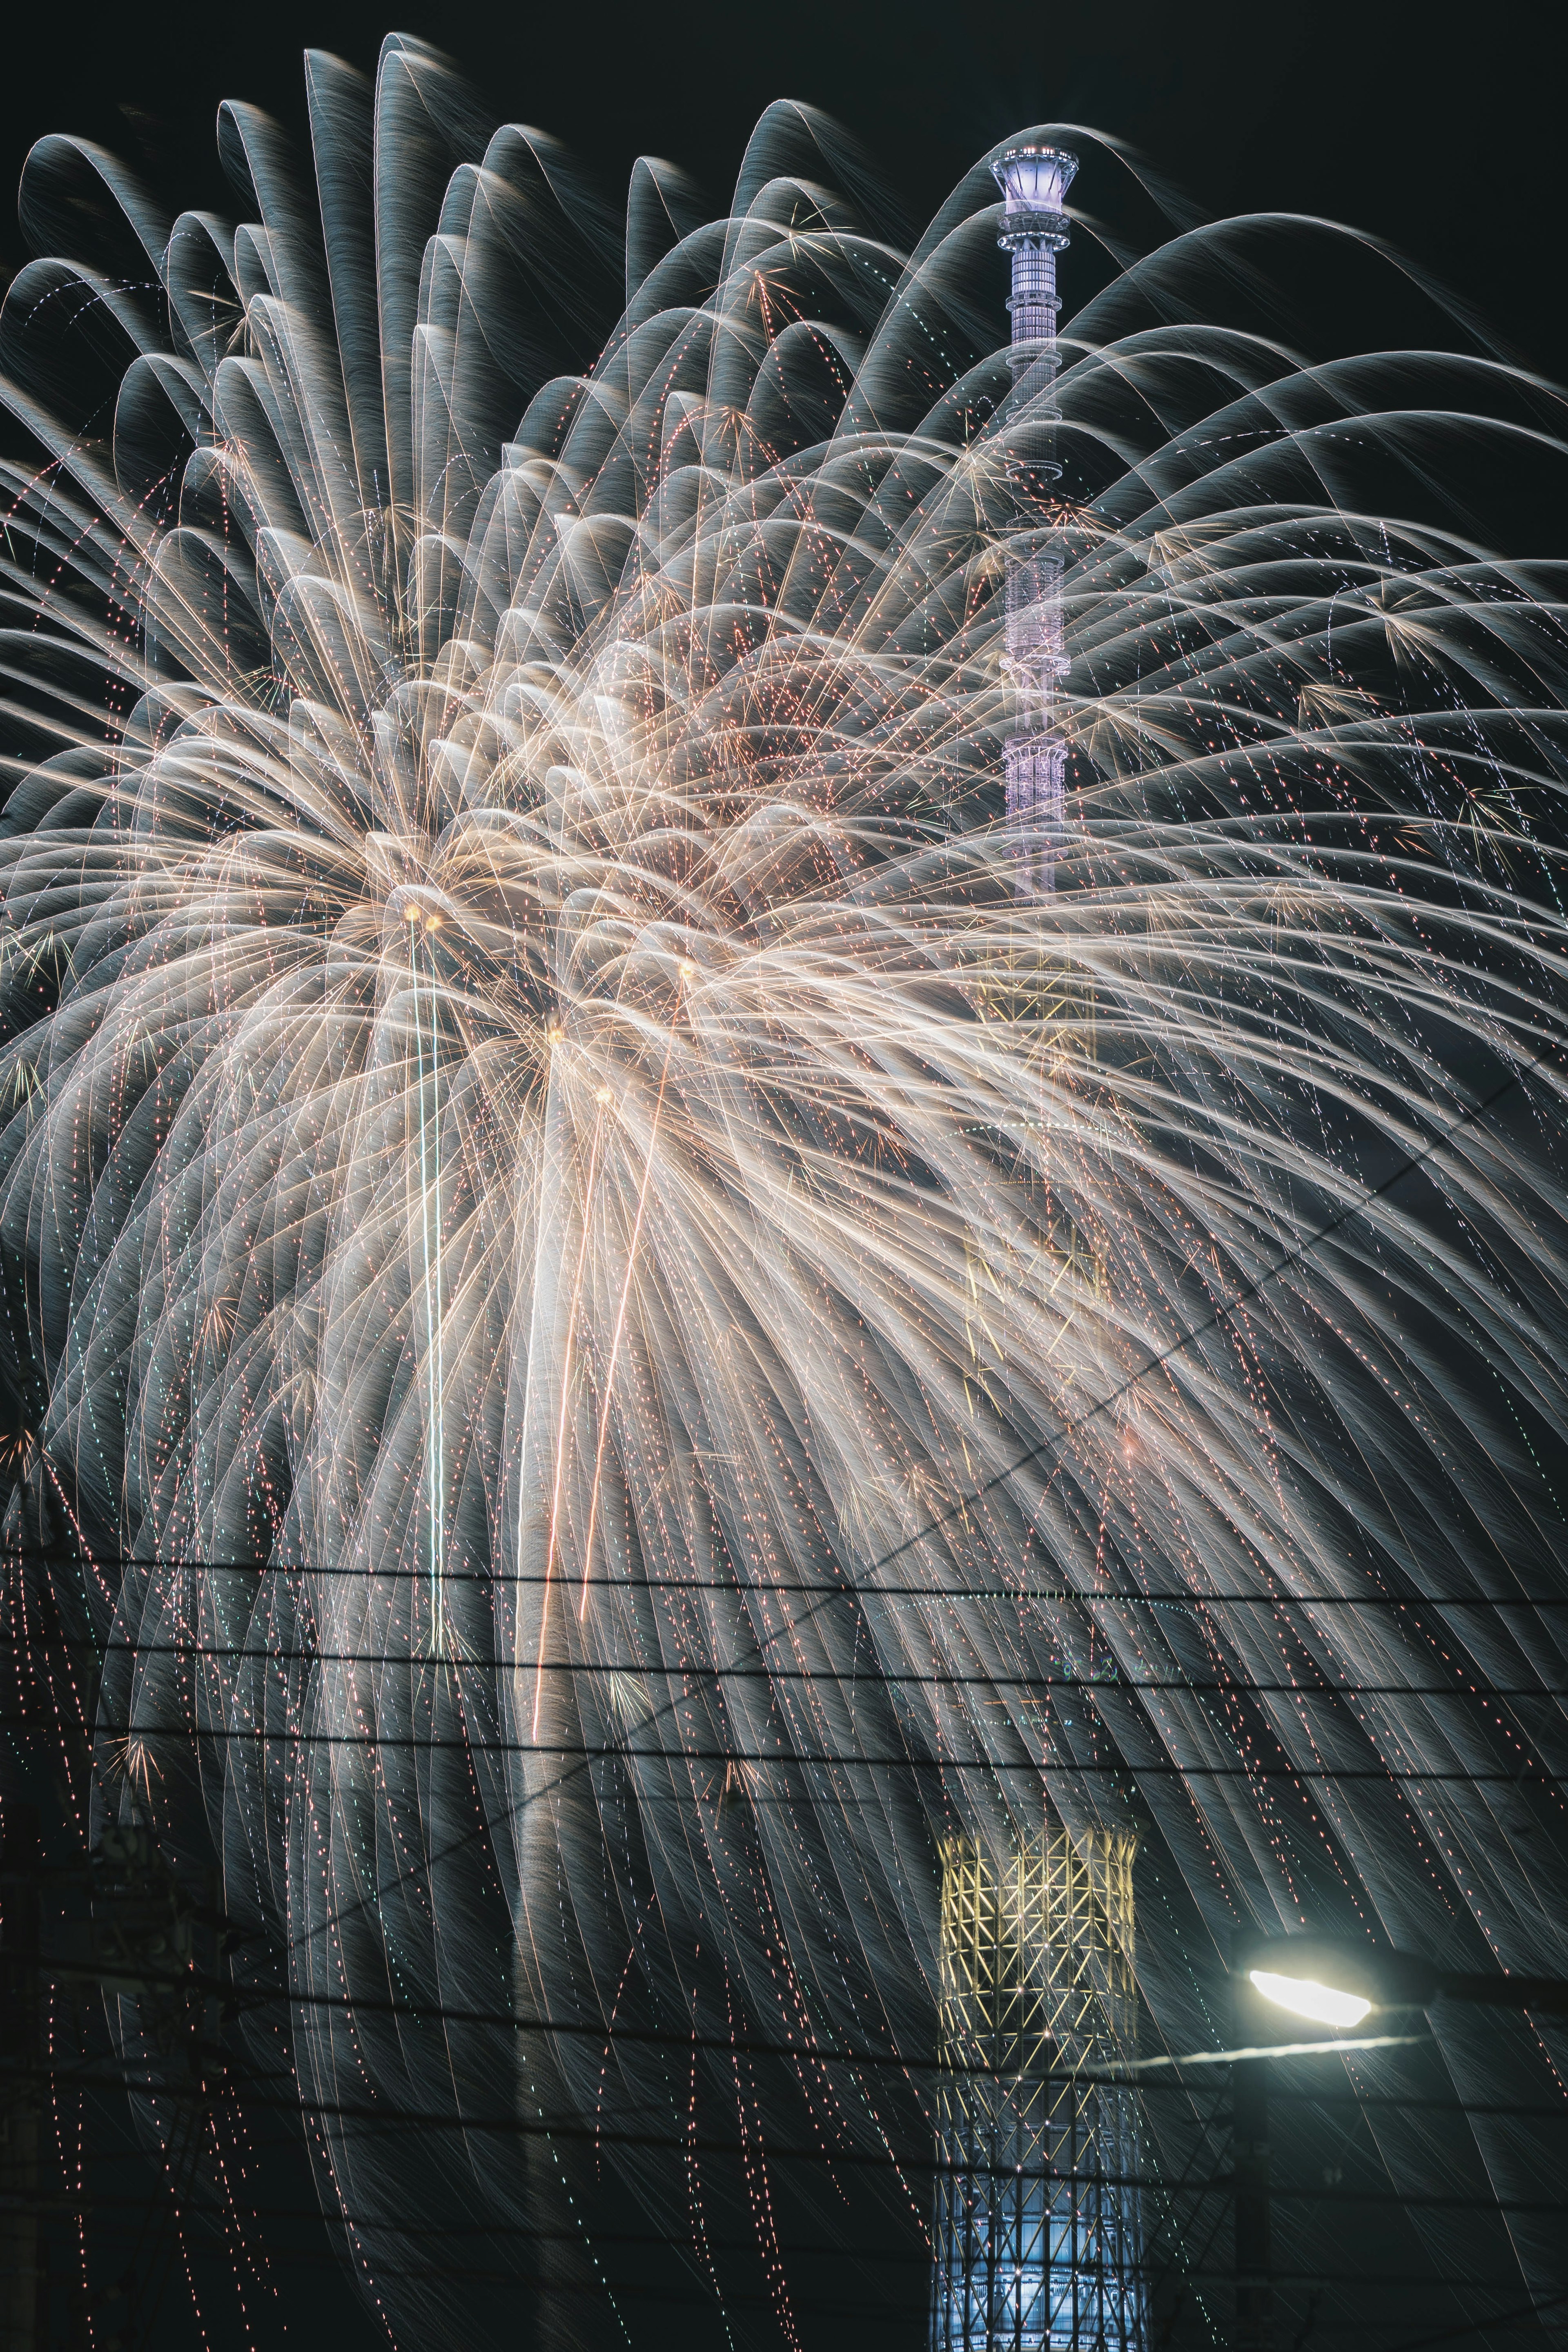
[1547,1994]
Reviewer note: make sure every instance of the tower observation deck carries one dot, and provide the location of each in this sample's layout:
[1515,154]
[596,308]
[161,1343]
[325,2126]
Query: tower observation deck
[1038,2226]
[1035,229]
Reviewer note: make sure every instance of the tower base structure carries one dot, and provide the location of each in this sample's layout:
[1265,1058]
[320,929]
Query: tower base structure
[1038,2225]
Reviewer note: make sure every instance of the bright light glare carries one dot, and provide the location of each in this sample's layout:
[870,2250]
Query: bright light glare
[1310,1998]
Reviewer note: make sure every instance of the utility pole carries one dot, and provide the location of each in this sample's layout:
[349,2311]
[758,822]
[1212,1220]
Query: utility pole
[23,2303]
[1249,2170]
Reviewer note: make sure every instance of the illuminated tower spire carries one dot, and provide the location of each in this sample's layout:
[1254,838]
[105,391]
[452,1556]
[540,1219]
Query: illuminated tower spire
[1035,229]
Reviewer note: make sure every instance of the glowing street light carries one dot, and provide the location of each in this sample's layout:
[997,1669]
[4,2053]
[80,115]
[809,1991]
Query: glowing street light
[1340,1983]
[1325,2004]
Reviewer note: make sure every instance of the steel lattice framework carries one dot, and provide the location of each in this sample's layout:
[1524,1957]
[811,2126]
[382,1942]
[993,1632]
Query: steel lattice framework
[1038,2229]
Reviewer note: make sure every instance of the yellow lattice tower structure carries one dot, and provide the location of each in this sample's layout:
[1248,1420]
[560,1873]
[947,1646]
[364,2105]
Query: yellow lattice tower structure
[1038,2226]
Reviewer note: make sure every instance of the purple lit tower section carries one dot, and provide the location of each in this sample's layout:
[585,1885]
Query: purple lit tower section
[1035,229]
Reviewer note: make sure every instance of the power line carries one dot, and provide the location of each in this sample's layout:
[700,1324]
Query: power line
[684,2141]
[688,2040]
[1526,1775]
[804,1588]
[873,1676]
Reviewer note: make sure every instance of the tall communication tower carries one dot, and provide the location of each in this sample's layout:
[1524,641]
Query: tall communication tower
[1038,2228]
[1035,229]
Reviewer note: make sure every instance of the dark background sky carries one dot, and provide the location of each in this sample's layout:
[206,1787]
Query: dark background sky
[1438,128]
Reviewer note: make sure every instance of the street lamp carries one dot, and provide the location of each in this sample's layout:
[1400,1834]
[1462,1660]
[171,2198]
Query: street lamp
[1336,1982]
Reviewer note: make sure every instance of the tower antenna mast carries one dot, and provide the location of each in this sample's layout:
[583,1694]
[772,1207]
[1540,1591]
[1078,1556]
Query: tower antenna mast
[1035,229]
